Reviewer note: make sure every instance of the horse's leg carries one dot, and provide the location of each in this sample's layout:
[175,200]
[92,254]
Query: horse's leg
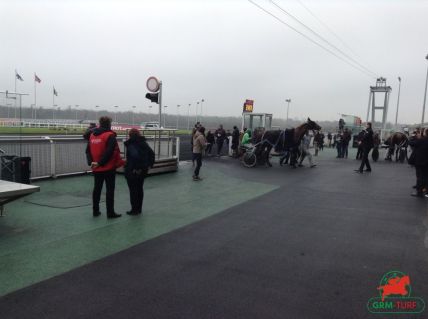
[268,149]
[293,158]
[388,154]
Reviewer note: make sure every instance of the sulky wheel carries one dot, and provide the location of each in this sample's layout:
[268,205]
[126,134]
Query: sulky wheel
[249,159]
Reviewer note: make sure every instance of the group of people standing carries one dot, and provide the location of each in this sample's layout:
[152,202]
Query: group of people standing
[202,143]
[103,156]
[341,142]
[219,137]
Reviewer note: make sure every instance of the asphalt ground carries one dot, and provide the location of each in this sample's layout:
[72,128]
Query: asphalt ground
[316,247]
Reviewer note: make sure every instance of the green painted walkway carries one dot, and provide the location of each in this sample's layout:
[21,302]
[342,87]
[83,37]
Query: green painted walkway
[38,242]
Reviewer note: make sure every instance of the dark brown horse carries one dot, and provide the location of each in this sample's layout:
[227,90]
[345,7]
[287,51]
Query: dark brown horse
[281,140]
[397,142]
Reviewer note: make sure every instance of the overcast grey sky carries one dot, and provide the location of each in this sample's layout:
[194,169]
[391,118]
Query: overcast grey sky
[101,53]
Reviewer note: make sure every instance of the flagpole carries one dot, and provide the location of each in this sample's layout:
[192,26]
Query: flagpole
[53,104]
[35,95]
[15,93]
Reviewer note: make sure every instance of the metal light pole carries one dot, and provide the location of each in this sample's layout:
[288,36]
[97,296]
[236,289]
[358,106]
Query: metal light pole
[202,101]
[150,112]
[197,104]
[188,117]
[115,113]
[96,112]
[133,114]
[164,117]
[398,100]
[288,108]
[178,106]
[425,96]
[33,106]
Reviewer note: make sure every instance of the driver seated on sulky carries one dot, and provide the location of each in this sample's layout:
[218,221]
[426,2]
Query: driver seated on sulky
[246,141]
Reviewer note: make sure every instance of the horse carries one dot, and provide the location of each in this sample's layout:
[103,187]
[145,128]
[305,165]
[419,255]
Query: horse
[397,144]
[282,140]
[395,286]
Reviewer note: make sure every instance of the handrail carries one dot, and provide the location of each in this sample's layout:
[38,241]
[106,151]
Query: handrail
[50,159]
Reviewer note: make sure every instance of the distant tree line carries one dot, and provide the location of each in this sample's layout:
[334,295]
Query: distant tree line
[85,116]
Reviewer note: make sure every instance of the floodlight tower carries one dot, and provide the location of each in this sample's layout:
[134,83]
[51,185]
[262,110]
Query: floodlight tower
[384,91]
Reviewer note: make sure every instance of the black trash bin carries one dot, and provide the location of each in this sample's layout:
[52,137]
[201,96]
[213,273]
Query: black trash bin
[15,169]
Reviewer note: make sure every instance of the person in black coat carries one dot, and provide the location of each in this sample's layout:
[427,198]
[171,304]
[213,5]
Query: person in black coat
[210,142]
[139,158]
[235,140]
[366,144]
[420,160]
[360,146]
[220,135]
[346,138]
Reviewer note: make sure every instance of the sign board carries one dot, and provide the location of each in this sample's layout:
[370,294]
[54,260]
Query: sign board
[248,106]
[152,84]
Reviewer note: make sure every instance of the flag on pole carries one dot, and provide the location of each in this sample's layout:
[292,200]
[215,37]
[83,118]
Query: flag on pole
[36,78]
[18,76]
[55,92]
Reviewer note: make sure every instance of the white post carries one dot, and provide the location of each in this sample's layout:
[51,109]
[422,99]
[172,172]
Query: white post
[35,96]
[398,100]
[164,117]
[160,103]
[15,94]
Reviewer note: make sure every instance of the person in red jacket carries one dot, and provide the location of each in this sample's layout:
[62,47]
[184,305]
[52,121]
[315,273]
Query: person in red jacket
[103,155]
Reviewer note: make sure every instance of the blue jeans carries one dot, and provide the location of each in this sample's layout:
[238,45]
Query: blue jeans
[198,158]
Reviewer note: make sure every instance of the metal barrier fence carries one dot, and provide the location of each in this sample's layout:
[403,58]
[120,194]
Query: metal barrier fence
[50,124]
[52,157]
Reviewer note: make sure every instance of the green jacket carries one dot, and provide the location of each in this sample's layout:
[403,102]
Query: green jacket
[246,139]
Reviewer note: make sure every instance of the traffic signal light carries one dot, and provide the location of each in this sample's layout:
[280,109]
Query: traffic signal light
[154,97]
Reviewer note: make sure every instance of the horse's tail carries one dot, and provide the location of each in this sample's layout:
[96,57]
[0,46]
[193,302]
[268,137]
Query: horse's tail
[279,146]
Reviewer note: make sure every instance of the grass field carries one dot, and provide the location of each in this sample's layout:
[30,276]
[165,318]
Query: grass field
[46,131]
